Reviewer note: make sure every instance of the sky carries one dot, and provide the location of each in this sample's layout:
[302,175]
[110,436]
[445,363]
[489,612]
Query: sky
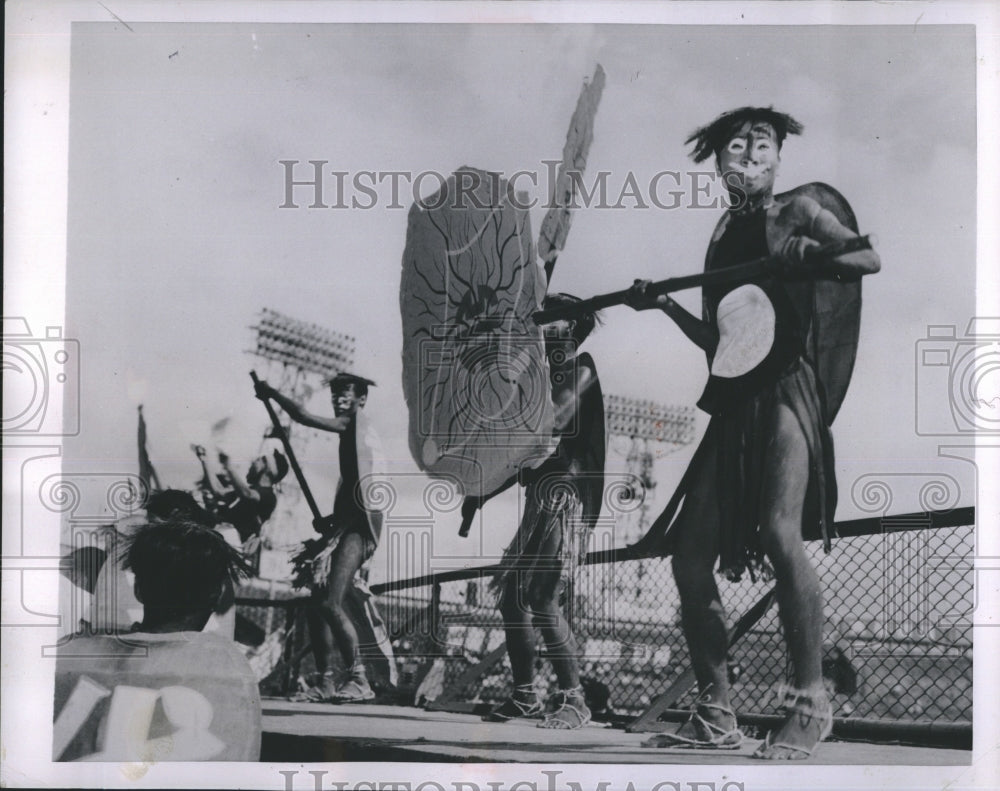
[176,239]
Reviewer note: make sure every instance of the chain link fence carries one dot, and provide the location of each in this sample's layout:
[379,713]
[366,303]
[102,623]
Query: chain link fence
[897,638]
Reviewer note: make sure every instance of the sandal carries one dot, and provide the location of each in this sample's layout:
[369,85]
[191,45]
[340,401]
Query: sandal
[806,708]
[302,696]
[324,690]
[699,733]
[354,689]
[570,713]
[312,688]
[528,708]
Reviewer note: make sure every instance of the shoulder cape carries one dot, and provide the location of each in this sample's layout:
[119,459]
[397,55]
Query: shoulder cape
[836,312]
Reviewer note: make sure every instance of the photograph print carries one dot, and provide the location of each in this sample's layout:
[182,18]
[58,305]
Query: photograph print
[512,394]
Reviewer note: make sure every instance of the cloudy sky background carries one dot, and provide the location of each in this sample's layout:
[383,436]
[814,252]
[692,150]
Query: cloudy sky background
[175,238]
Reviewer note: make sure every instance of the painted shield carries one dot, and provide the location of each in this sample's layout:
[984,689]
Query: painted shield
[475,376]
[836,309]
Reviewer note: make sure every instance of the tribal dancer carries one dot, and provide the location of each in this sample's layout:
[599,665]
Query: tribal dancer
[329,565]
[764,471]
[562,501]
[249,503]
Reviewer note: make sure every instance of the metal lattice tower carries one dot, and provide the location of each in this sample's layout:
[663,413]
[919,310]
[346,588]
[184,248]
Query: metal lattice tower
[650,428]
[644,419]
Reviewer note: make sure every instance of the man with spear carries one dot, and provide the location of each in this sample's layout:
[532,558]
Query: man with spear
[328,565]
[764,471]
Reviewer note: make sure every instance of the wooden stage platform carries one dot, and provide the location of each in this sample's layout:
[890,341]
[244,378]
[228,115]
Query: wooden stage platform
[314,732]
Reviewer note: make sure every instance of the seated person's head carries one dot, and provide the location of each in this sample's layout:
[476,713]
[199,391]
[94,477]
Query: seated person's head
[176,505]
[184,572]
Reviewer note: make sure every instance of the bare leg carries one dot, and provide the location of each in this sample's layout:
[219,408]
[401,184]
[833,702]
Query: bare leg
[347,559]
[320,636]
[551,622]
[330,628]
[519,633]
[559,641]
[520,640]
[800,600]
[703,617]
[569,707]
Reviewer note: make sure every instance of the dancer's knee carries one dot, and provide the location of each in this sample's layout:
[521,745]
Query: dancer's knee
[513,605]
[337,611]
[783,545]
[542,603]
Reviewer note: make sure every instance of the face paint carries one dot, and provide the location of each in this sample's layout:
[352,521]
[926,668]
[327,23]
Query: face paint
[749,162]
[345,401]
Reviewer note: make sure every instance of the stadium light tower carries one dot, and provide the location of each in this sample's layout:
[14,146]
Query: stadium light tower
[300,347]
[643,423]
[640,418]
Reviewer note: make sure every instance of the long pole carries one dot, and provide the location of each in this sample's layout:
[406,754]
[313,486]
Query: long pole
[733,274]
[280,433]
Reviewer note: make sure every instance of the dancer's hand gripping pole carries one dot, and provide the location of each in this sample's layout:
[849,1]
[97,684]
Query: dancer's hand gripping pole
[320,523]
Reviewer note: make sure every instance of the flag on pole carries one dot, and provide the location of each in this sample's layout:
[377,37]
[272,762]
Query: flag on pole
[146,470]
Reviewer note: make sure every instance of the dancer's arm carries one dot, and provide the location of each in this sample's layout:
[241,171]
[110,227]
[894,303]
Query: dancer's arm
[699,332]
[238,483]
[300,415]
[210,480]
[820,226]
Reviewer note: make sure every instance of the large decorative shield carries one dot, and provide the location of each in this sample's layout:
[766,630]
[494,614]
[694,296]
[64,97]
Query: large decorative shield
[836,309]
[475,376]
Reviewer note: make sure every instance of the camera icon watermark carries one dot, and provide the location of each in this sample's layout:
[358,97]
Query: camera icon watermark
[63,533]
[41,381]
[965,370]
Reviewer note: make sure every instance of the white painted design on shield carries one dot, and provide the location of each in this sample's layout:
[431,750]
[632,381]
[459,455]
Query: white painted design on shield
[745,318]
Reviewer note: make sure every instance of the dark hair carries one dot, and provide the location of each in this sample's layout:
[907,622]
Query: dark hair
[179,505]
[183,568]
[711,138]
[342,380]
[280,466]
[585,322]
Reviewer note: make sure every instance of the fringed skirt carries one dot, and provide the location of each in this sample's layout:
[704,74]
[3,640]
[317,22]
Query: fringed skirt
[312,562]
[550,541]
[740,438]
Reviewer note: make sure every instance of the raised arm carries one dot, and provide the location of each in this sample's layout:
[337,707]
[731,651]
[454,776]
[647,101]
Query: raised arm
[238,483]
[298,414]
[699,332]
[210,480]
